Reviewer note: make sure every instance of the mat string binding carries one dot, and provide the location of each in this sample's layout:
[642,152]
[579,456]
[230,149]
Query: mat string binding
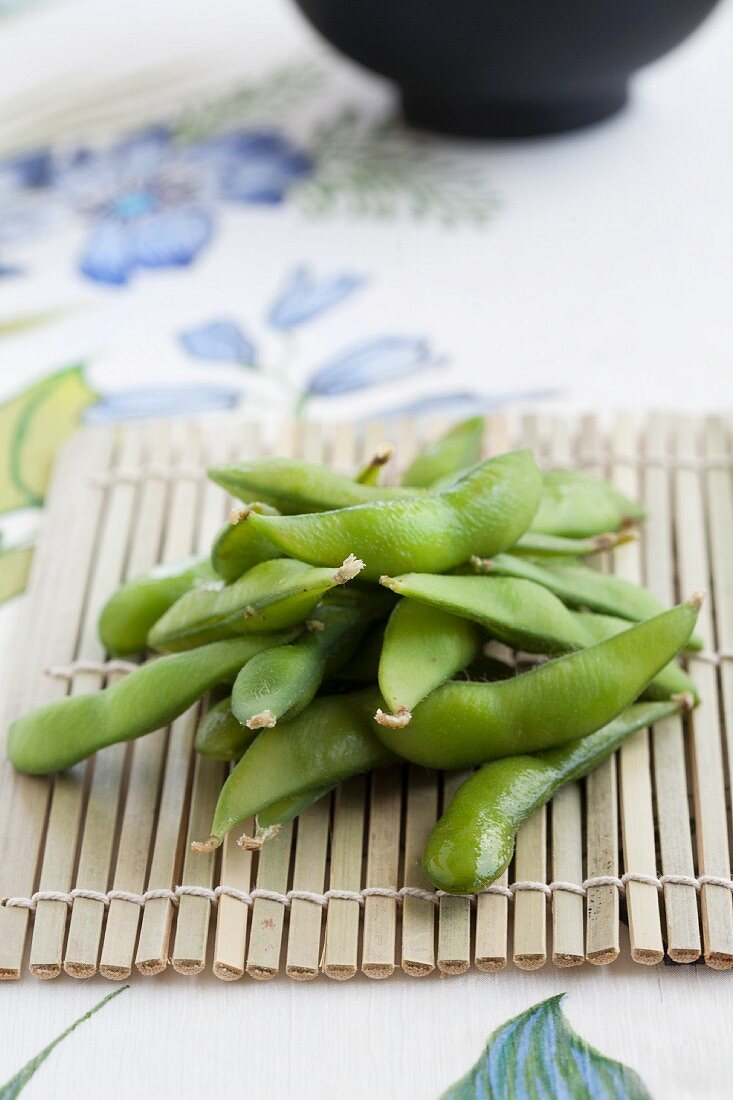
[189,472]
[249,897]
[123,668]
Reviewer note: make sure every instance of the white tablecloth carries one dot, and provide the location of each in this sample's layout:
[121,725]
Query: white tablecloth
[602,272]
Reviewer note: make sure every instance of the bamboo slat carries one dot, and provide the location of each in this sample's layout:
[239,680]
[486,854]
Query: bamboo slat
[124,821]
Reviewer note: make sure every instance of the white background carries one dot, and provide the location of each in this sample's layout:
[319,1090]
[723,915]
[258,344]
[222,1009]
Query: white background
[606,271]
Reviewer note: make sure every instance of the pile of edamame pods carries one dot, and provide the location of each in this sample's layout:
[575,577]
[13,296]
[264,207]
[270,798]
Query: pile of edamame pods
[342,624]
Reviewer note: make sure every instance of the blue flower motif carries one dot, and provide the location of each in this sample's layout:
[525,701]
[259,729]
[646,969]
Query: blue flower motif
[150,202]
[369,364]
[219,342]
[304,297]
[463,404]
[255,166]
[145,404]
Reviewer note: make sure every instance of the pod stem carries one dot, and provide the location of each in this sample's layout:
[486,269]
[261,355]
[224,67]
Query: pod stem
[254,843]
[481,565]
[350,568]
[397,721]
[205,847]
[685,700]
[696,599]
[264,721]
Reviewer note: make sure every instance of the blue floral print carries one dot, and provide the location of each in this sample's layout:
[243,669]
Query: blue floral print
[386,359]
[150,201]
[304,297]
[219,342]
[159,402]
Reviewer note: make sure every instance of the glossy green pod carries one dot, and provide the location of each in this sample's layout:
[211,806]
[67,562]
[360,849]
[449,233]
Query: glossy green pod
[491,506]
[462,724]
[219,735]
[273,595]
[519,613]
[293,486]
[133,610]
[423,647]
[447,457]
[473,842]
[330,740]
[62,733]
[277,684]
[237,546]
[576,505]
[672,680]
[279,813]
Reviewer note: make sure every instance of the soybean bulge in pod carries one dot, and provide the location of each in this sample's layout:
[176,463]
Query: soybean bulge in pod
[577,506]
[473,842]
[548,706]
[62,733]
[293,486]
[672,680]
[133,609]
[491,506]
[273,595]
[519,613]
[279,683]
[448,456]
[423,647]
[330,740]
[237,546]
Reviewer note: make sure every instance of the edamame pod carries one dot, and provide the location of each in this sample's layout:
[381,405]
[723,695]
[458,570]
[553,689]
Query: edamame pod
[457,450]
[293,486]
[328,741]
[273,595]
[536,545]
[577,506]
[519,613]
[491,506]
[237,546]
[220,736]
[473,842]
[68,730]
[463,723]
[133,610]
[281,682]
[369,474]
[672,680]
[423,647]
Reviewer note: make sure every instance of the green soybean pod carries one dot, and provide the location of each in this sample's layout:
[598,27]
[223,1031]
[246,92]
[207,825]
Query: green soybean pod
[279,813]
[219,734]
[273,595]
[362,666]
[133,610]
[370,473]
[454,452]
[672,680]
[237,546]
[576,505]
[473,842]
[423,647]
[330,740]
[536,545]
[520,613]
[293,486]
[68,730]
[491,506]
[555,703]
[279,683]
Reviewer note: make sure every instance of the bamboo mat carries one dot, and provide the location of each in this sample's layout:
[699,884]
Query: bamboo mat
[96,872]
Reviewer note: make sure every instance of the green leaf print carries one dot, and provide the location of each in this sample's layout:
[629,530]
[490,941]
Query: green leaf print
[33,424]
[11,1089]
[536,1055]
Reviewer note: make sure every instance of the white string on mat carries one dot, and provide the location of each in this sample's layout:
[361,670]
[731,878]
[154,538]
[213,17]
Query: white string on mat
[101,668]
[249,897]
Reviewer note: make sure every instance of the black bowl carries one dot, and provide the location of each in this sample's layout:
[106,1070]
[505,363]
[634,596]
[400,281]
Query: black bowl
[506,68]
